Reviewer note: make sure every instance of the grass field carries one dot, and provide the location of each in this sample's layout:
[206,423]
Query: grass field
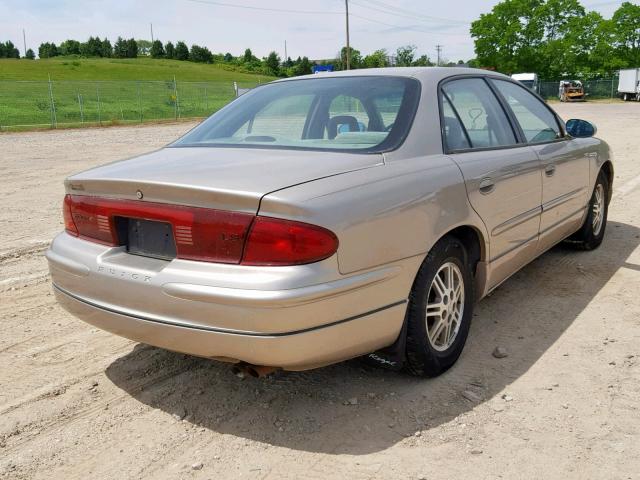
[114,69]
[112,91]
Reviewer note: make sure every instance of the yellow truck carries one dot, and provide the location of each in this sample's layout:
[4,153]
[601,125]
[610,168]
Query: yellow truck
[571,91]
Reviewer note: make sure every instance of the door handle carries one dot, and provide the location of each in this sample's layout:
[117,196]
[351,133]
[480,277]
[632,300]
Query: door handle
[486,186]
[549,170]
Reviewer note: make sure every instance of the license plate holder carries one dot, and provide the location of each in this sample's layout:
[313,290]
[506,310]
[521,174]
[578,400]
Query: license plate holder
[150,238]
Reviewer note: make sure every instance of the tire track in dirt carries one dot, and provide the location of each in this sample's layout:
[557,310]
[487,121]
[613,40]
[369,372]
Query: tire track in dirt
[58,423]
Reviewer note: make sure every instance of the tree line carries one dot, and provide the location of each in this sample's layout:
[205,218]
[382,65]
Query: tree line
[557,38]
[553,38]
[131,48]
[9,50]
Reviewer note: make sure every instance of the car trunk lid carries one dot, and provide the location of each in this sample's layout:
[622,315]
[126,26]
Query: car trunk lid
[223,178]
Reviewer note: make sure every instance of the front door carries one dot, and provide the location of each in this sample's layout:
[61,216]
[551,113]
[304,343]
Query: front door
[564,162]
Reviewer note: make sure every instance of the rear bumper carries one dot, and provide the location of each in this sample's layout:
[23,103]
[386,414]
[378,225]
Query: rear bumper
[291,351]
[290,317]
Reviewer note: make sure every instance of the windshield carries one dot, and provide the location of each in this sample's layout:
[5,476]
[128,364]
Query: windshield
[364,114]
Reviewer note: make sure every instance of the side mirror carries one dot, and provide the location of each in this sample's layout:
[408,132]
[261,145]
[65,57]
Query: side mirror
[580,128]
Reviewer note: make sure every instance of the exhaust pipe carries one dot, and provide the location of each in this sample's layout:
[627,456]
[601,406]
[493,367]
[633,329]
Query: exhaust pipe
[243,370]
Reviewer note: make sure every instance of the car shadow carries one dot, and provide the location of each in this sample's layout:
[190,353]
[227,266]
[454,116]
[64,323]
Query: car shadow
[356,409]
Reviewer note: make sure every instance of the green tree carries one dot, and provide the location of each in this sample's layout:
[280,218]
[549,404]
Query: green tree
[182,51]
[355,59]
[626,21]
[228,57]
[106,50]
[553,38]
[157,50]
[8,50]
[125,48]
[45,50]
[272,64]
[507,37]
[30,55]
[120,48]
[423,61]
[405,55]
[302,66]
[200,54]
[70,47]
[169,50]
[377,59]
[132,48]
[248,56]
[92,47]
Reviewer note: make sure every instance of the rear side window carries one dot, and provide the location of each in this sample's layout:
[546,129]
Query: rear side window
[536,120]
[480,112]
[454,134]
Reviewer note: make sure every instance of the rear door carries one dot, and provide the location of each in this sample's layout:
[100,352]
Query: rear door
[564,162]
[502,175]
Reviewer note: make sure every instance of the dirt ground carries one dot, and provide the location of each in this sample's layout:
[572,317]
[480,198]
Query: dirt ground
[77,403]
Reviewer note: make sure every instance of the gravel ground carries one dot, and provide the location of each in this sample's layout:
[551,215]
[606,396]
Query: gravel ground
[77,403]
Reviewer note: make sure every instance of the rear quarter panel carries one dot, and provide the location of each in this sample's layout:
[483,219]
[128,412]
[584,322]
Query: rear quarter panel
[383,214]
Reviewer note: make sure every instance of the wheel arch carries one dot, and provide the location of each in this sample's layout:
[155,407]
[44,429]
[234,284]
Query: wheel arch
[475,244]
[607,168]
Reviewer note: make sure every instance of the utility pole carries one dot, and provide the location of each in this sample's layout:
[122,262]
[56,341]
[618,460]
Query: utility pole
[286,57]
[439,50]
[24,42]
[151,32]
[346,4]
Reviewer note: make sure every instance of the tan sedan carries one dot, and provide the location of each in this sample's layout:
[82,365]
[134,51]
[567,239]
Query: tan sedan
[327,217]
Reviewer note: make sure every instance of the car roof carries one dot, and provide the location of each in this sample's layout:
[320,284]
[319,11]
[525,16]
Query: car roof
[424,74]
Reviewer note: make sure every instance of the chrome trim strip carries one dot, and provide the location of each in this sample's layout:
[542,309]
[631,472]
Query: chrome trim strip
[515,221]
[556,202]
[520,245]
[229,332]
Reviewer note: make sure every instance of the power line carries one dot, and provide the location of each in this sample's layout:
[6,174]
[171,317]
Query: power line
[413,14]
[264,9]
[404,27]
[401,15]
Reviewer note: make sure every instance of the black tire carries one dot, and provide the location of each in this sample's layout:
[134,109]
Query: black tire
[588,237]
[422,358]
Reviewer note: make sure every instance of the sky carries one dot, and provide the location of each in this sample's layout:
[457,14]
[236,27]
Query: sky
[315,28]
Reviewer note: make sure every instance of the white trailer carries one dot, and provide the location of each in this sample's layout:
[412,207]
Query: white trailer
[529,80]
[629,84]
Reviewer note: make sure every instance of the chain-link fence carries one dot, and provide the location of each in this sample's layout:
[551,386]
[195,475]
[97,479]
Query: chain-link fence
[58,104]
[594,89]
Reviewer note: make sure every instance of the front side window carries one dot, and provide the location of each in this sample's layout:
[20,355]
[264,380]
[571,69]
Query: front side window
[480,112]
[349,113]
[536,120]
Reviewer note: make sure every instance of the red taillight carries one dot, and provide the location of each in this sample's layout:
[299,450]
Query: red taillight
[204,234]
[273,241]
[69,224]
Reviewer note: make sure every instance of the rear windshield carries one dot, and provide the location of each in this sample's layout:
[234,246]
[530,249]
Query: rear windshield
[364,114]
